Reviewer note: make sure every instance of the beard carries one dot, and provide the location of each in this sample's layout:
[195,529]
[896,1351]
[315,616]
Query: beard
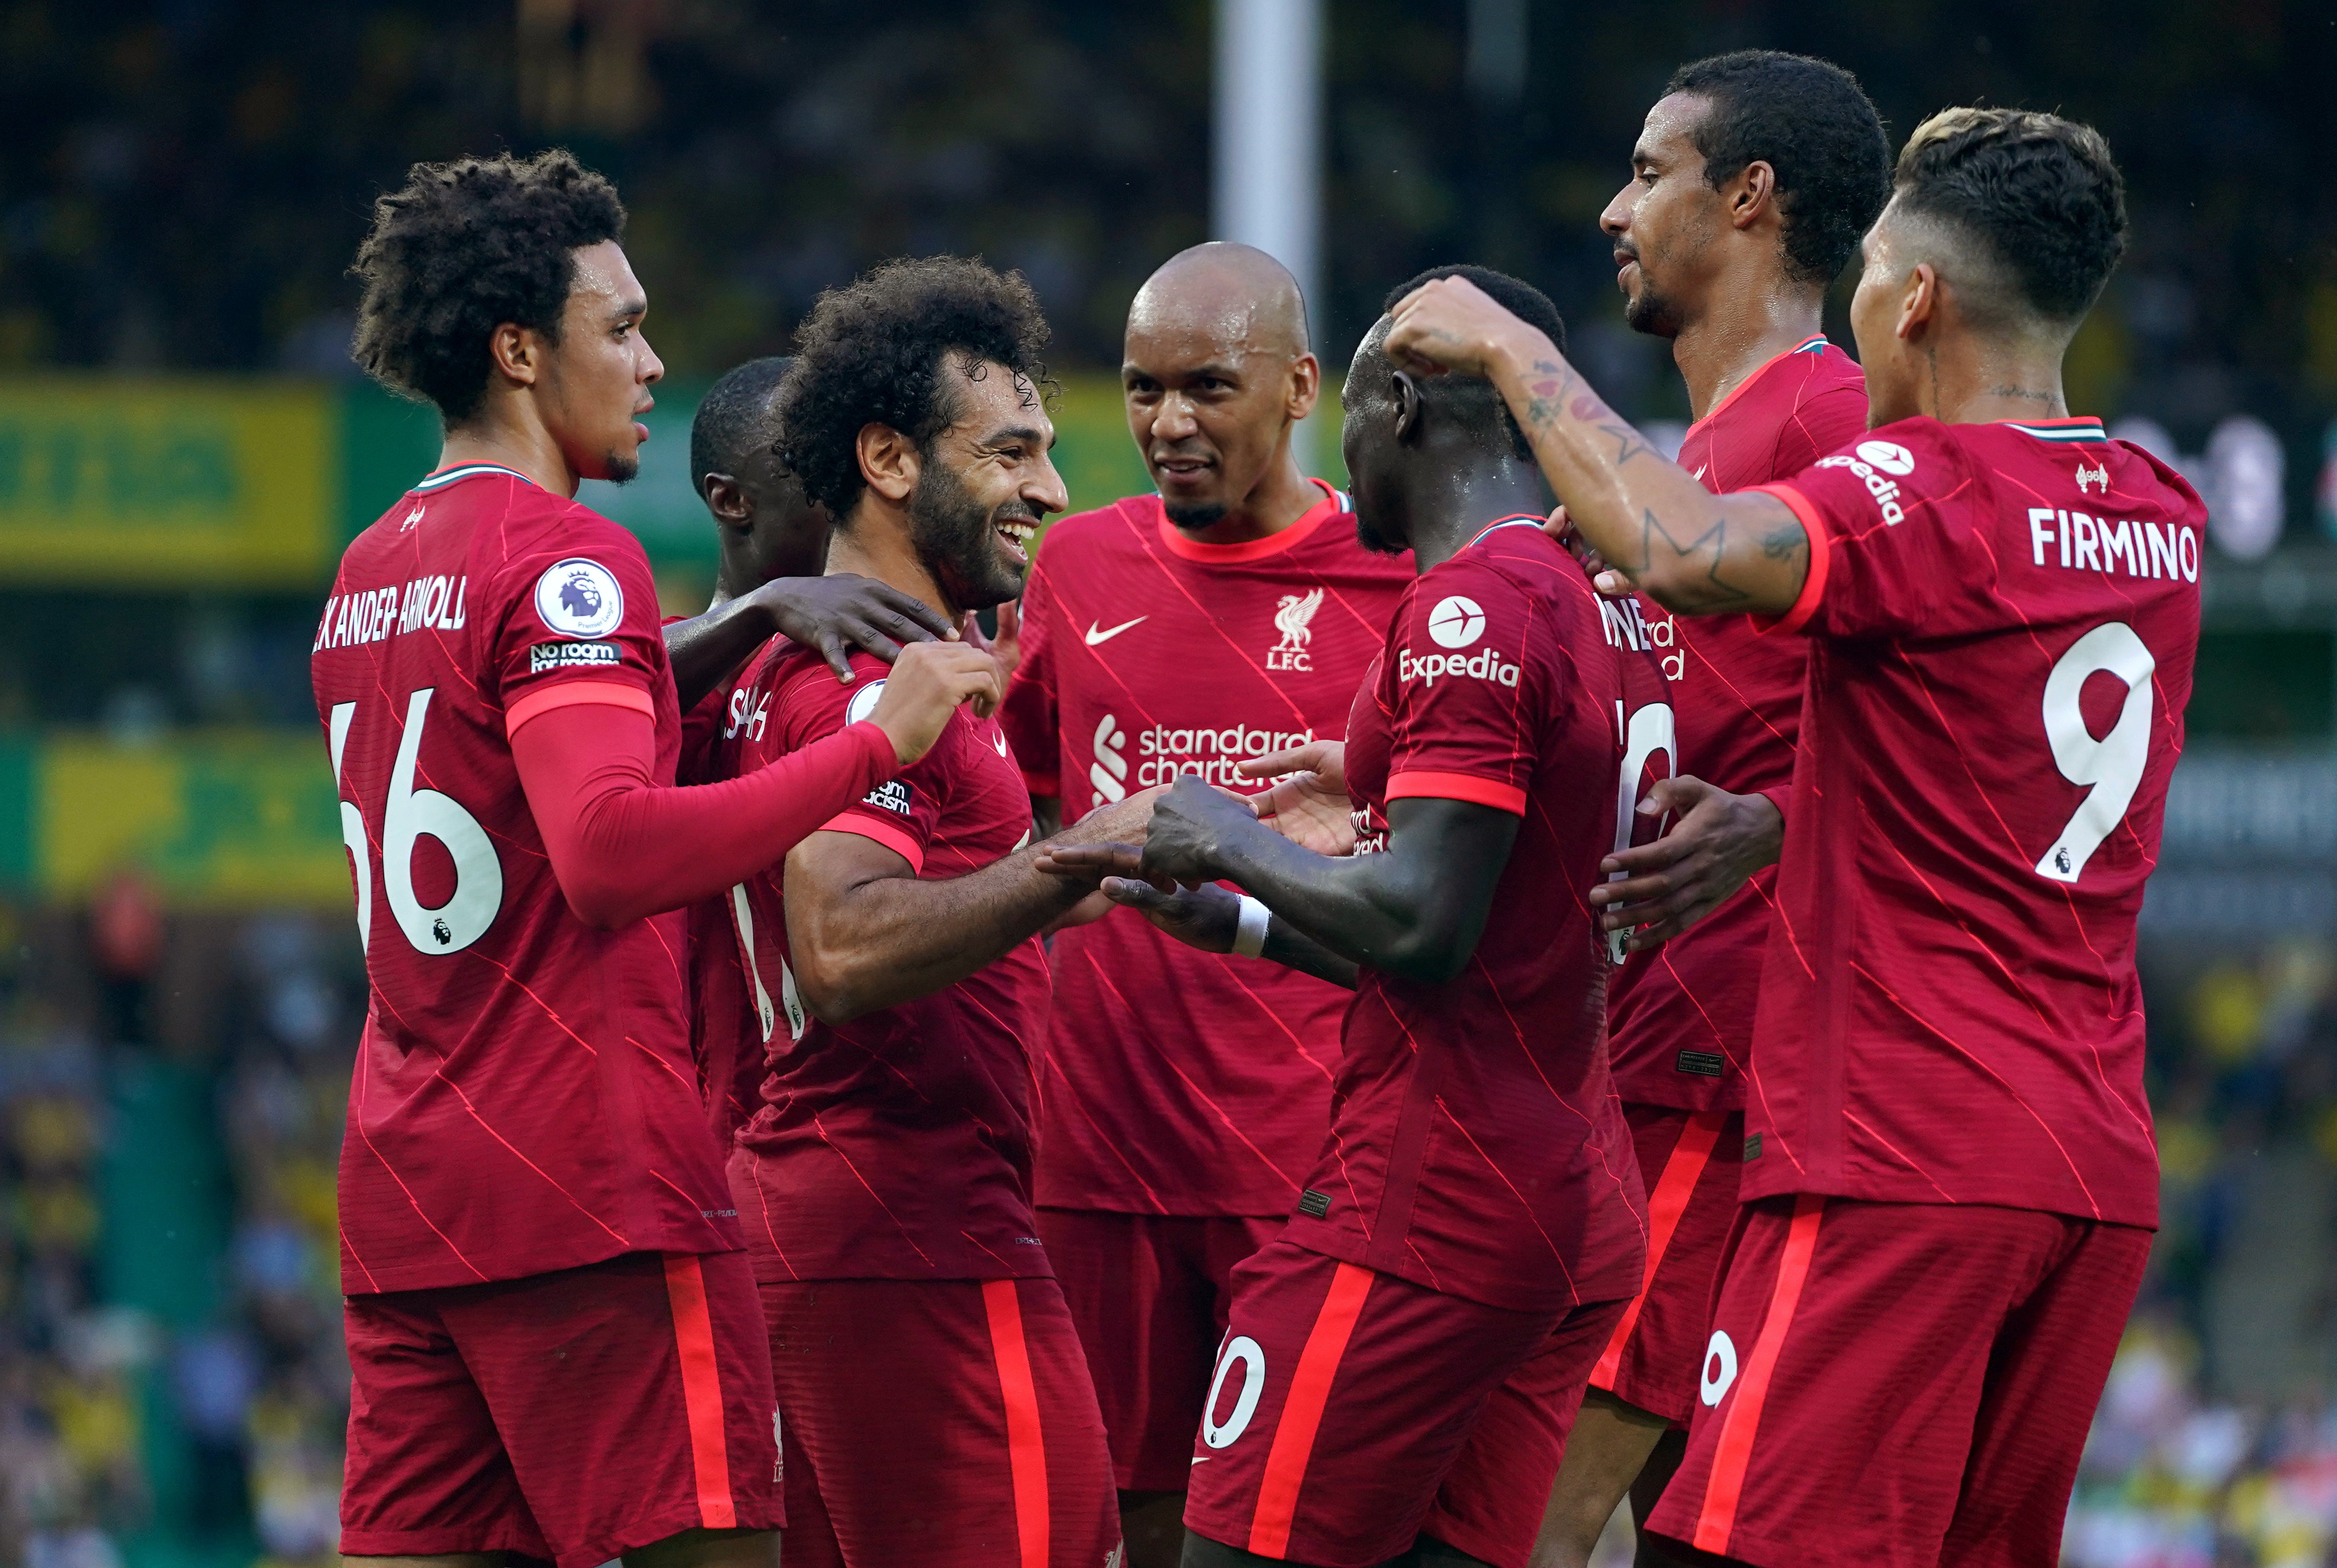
[1372,539]
[1649,311]
[622,469]
[950,530]
[1196,516]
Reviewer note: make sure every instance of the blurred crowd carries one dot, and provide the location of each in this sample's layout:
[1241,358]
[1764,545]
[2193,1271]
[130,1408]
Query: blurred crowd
[173,1385]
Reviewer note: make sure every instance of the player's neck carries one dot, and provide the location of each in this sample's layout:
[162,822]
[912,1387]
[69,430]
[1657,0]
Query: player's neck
[510,438]
[1279,499]
[1739,332]
[1451,505]
[871,549]
[1965,379]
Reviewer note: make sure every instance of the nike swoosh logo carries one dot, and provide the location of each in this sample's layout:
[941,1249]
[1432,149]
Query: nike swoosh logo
[1698,475]
[1204,1459]
[1095,636]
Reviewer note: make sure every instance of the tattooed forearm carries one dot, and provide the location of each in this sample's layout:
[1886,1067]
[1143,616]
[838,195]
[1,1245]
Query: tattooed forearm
[1785,542]
[1698,596]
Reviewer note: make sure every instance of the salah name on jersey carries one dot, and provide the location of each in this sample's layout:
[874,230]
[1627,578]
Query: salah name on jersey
[897,1145]
[1680,1015]
[522,1099]
[2002,620]
[1476,1143]
[1181,1082]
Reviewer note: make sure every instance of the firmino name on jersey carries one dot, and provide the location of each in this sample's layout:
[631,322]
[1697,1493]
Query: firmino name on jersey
[2161,550]
[380,614]
[1485,664]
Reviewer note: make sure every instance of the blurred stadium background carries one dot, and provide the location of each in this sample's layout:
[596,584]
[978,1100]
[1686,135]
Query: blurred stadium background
[184,448]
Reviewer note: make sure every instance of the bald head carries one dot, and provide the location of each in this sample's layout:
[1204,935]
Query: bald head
[1237,296]
[1215,372]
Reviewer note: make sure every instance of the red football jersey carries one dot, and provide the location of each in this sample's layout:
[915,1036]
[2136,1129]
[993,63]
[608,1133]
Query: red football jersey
[896,1146]
[2002,620]
[1680,1016]
[1476,1143]
[523,1098]
[725,1036]
[1179,1081]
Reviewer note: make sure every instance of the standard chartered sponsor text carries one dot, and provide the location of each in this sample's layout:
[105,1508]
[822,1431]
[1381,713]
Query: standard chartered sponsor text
[1165,753]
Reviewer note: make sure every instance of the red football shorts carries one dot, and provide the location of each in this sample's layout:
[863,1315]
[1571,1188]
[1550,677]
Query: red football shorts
[1889,1385]
[573,1416]
[938,1421]
[1352,1412]
[1690,1161]
[1150,1295]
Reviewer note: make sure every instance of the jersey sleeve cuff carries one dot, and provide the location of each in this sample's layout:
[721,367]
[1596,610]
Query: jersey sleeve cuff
[1806,605]
[900,843]
[544,699]
[881,753]
[1779,796]
[1458,787]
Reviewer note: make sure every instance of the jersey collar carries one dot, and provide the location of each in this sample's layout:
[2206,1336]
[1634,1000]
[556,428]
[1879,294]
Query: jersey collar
[1514,520]
[2062,431]
[1332,504]
[1817,345]
[461,471]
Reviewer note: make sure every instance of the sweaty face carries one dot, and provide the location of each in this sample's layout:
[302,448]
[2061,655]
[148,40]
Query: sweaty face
[594,383]
[1207,402]
[982,486]
[1367,443]
[1663,220]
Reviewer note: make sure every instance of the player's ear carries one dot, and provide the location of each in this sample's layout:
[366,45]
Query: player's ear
[1752,193]
[1919,301]
[517,352]
[727,499]
[889,462]
[1405,394]
[1306,386]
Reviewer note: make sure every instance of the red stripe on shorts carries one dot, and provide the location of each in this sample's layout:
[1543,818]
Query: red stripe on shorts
[1734,1452]
[1302,1410]
[701,1390]
[1026,1449]
[1682,1168]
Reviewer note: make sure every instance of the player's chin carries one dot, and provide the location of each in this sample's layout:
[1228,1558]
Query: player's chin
[618,467]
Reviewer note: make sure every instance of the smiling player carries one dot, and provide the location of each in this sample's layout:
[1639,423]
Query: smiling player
[1224,621]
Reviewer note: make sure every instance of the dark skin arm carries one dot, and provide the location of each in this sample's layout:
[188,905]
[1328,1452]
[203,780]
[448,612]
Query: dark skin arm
[1689,550]
[1415,911]
[833,614]
[1718,843]
[1207,916]
[865,933]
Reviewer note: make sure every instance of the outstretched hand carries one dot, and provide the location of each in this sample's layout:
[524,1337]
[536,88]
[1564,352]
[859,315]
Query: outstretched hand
[1007,646]
[1664,887]
[1310,808]
[837,615]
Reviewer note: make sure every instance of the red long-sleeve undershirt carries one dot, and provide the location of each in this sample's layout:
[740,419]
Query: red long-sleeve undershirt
[623,846]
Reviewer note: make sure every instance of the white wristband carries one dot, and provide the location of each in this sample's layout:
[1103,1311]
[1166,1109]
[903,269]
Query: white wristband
[1249,934]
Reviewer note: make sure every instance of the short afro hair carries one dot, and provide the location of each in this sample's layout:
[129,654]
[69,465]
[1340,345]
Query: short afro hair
[2042,193]
[1473,400]
[1808,120]
[873,352]
[733,419]
[464,248]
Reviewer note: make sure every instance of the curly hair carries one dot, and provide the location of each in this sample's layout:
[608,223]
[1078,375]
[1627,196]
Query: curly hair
[872,352]
[464,248]
[2041,192]
[1472,398]
[733,416]
[1808,120]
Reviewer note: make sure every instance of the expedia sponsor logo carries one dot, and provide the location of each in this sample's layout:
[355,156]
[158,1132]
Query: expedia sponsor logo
[570,656]
[890,796]
[1878,484]
[1485,664]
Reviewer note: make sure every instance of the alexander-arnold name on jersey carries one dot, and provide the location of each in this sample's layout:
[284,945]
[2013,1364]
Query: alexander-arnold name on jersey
[376,614]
